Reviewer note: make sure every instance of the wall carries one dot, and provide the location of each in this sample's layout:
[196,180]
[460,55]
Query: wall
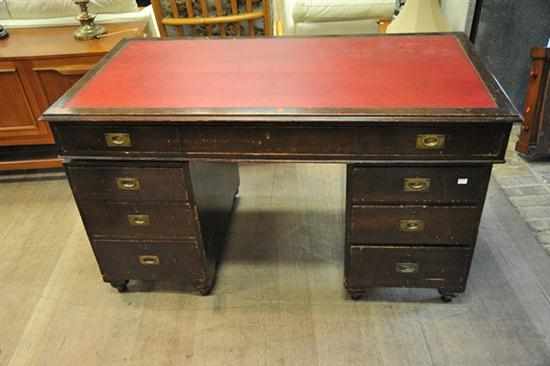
[459,14]
[507,31]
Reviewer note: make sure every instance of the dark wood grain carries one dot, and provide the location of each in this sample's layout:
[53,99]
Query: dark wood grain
[106,219]
[442,225]
[188,208]
[90,140]
[441,268]
[215,186]
[156,183]
[447,185]
[179,261]
[321,142]
[190,156]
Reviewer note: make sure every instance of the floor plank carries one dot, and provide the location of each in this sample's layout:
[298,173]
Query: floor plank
[279,298]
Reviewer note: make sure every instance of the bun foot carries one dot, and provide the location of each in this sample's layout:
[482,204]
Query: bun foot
[121,286]
[355,296]
[446,296]
[205,291]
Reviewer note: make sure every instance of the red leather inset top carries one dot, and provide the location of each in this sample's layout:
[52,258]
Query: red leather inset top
[337,72]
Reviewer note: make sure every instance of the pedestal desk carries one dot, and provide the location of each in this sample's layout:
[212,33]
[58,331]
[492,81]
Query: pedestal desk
[152,136]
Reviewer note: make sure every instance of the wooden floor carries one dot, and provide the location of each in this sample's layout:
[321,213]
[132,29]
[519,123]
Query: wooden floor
[279,299]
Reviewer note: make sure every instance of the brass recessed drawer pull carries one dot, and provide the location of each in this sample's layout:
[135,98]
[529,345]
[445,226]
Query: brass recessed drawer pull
[406,267]
[430,142]
[139,220]
[149,260]
[128,184]
[118,139]
[416,184]
[411,226]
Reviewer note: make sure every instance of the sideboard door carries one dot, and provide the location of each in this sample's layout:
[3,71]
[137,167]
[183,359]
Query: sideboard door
[56,76]
[19,124]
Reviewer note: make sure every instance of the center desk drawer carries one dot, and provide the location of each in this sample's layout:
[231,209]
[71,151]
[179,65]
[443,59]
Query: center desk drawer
[138,220]
[117,140]
[138,183]
[409,185]
[367,142]
[414,224]
[148,260]
[393,266]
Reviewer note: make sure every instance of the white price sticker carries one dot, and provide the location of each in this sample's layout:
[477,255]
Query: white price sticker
[462,181]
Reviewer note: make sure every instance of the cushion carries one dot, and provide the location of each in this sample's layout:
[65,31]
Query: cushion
[338,10]
[34,9]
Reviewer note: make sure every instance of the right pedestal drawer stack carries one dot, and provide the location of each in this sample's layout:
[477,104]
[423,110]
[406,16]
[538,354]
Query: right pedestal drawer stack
[412,226]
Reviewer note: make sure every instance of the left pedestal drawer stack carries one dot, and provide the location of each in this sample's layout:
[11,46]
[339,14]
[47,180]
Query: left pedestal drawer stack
[143,219]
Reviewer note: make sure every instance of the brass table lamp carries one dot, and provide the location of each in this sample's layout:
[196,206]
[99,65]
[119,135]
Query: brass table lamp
[88,29]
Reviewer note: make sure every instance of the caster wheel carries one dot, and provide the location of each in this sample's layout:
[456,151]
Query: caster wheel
[446,296]
[121,287]
[205,291]
[356,296]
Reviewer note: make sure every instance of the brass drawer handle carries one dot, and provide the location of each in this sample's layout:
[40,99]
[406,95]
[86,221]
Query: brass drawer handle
[406,267]
[417,184]
[430,142]
[118,139]
[411,226]
[128,184]
[149,260]
[139,220]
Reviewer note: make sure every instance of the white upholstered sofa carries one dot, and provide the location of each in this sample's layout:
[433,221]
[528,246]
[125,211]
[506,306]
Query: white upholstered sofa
[51,13]
[323,17]
[326,17]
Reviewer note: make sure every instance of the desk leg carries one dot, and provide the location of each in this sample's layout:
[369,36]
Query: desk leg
[215,187]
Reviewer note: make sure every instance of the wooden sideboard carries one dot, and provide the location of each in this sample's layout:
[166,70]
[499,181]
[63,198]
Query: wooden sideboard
[38,65]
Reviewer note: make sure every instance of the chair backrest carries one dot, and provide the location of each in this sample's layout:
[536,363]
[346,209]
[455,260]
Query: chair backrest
[213,17]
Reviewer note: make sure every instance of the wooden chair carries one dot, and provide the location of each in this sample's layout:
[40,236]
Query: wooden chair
[187,17]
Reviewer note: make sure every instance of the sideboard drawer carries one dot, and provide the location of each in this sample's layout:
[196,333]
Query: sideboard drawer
[130,183]
[414,224]
[410,185]
[117,140]
[394,266]
[149,260]
[138,220]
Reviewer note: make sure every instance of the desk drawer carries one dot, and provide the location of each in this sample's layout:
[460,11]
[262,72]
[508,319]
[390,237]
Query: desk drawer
[117,141]
[136,183]
[414,224]
[394,266]
[149,260]
[138,220]
[375,142]
[410,185]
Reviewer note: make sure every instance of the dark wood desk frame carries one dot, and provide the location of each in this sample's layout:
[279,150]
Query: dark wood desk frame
[408,223]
